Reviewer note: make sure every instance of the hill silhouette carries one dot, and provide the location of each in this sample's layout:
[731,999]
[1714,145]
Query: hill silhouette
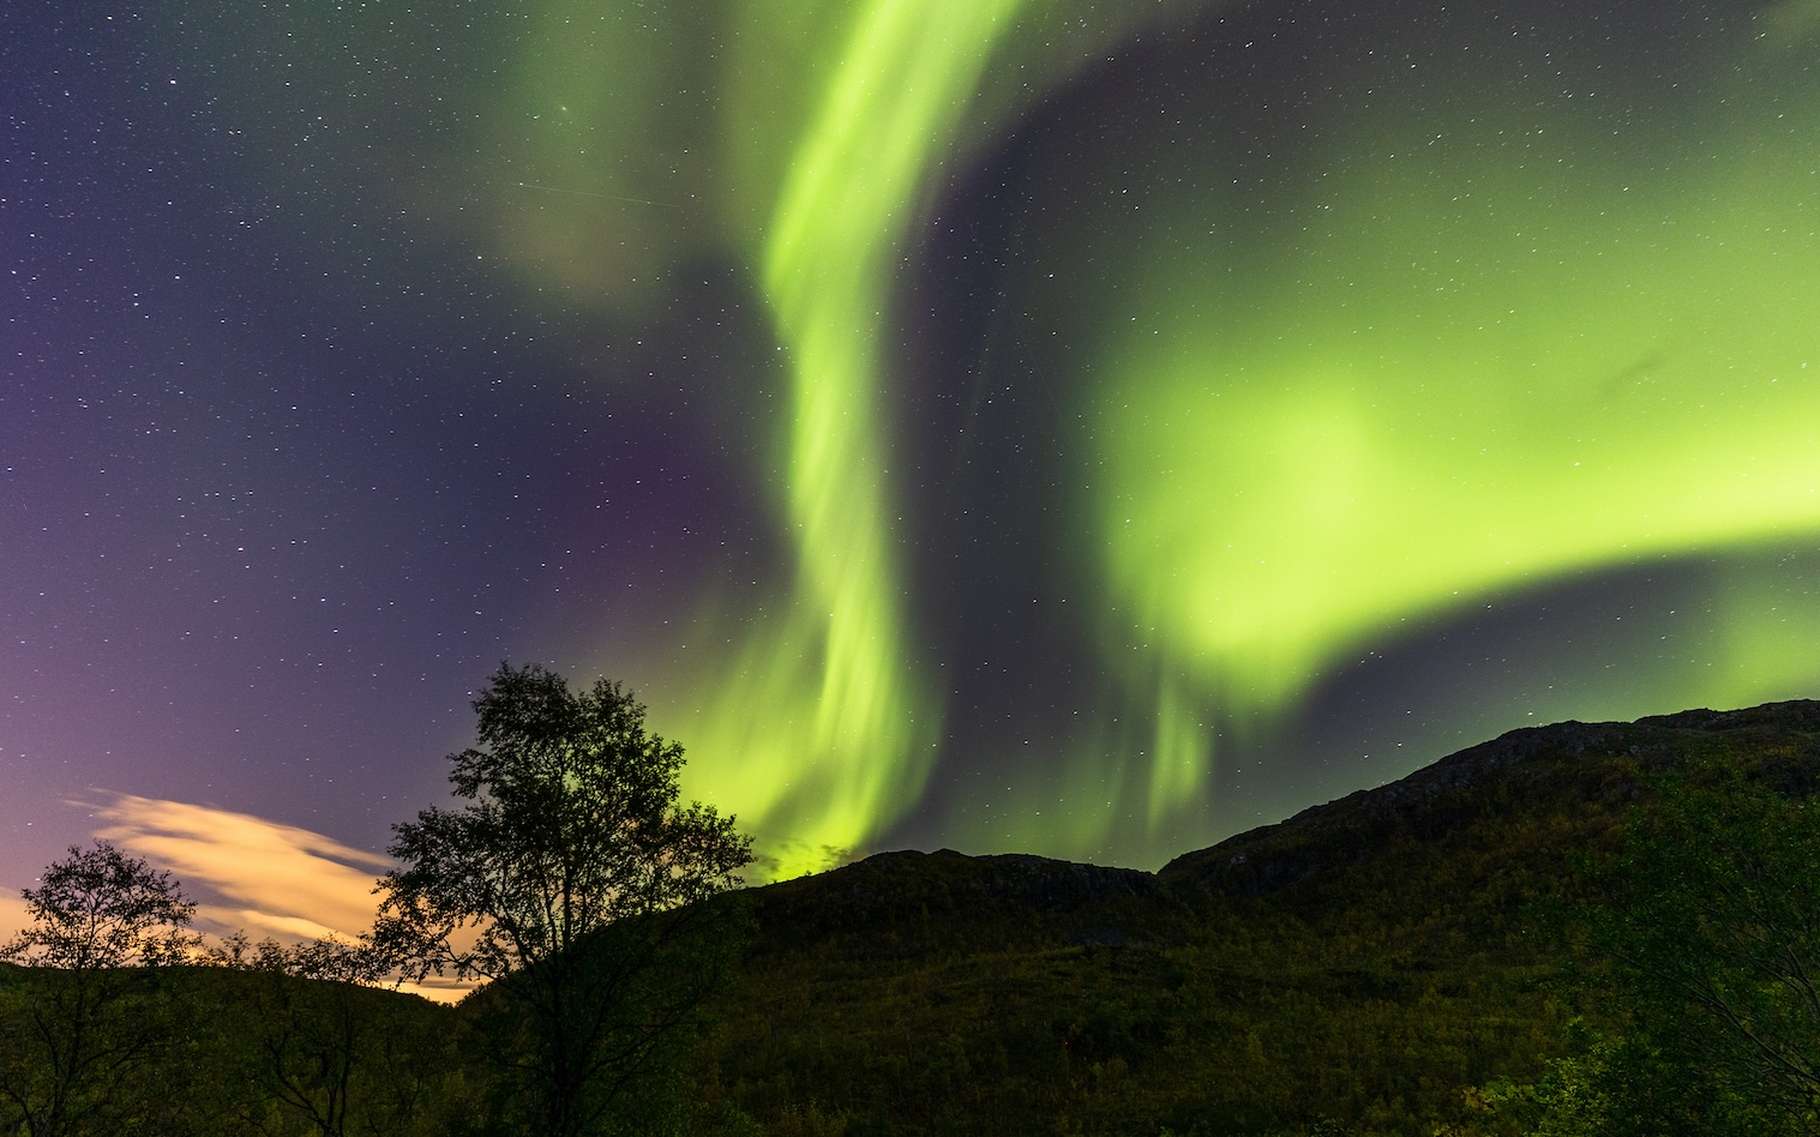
[1361,965]
[1358,968]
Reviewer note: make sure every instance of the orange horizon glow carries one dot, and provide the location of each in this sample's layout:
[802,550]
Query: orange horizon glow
[246,873]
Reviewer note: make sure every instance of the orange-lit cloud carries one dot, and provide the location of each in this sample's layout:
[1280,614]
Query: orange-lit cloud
[12,913]
[248,873]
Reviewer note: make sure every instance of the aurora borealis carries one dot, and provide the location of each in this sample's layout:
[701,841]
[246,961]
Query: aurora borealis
[1080,428]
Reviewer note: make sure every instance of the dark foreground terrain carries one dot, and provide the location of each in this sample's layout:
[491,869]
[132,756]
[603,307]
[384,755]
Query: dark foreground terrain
[1367,966]
[1363,965]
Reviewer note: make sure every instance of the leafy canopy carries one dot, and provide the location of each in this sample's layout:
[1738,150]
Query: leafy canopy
[100,908]
[572,823]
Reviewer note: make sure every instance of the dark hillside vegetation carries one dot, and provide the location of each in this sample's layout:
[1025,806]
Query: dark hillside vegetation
[1413,959]
[1360,968]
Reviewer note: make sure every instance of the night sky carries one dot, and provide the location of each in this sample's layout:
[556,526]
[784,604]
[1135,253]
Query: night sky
[1081,428]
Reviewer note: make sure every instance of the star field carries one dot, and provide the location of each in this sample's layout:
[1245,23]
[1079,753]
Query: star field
[1080,429]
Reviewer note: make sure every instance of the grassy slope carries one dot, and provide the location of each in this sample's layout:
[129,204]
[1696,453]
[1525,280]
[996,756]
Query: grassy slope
[1362,963]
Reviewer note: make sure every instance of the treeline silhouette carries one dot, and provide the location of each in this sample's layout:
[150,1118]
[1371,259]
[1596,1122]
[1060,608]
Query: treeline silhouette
[570,880]
[1573,930]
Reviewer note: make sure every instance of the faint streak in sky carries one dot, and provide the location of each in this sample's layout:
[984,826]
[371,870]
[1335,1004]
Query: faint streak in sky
[601,196]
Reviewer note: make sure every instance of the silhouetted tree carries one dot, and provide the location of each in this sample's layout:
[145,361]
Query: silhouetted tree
[561,881]
[87,1028]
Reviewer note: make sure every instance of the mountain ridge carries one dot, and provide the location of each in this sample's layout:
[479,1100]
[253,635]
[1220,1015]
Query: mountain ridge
[1362,967]
[1646,741]
[1543,761]
[1356,968]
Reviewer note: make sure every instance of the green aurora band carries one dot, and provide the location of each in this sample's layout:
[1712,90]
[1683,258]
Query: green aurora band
[1475,340]
[1430,376]
[1404,401]
[820,729]
[827,728]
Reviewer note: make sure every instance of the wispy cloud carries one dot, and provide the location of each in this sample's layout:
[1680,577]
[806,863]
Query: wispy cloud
[246,872]
[251,873]
[12,913]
